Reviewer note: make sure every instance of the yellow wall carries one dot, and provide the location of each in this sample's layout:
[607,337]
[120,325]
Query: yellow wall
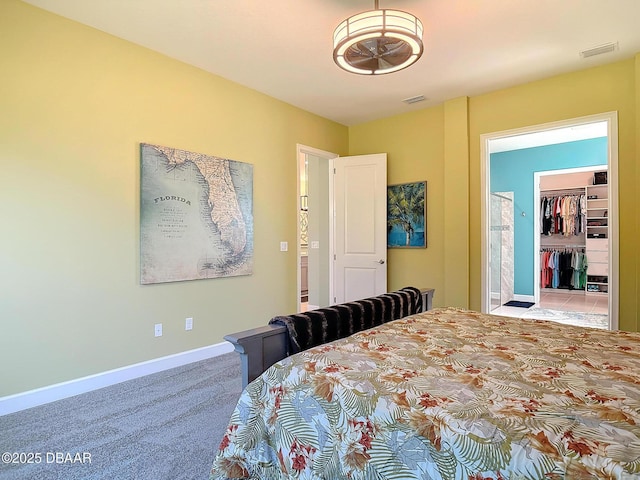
[602,89]
[414,143]
[442,145]
[75,104]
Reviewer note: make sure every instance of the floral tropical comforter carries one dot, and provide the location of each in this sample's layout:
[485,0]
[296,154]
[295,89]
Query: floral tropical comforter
[446,394]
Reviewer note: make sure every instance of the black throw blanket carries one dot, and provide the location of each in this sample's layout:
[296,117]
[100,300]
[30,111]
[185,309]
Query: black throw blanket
[323,325]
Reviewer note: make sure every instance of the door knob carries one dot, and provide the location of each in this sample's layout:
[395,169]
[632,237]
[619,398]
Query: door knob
[380,261]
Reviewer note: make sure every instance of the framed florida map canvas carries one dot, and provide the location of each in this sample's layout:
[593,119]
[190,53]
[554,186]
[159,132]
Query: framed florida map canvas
[196,216]
[407,215]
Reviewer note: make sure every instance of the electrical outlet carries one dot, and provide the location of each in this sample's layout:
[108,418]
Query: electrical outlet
[158,329]
[188,323]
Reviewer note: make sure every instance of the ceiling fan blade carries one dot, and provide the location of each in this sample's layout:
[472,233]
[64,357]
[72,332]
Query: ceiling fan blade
[366,47]
[397,53]
[364,63]
[384,63]
[389,61]
[380,53]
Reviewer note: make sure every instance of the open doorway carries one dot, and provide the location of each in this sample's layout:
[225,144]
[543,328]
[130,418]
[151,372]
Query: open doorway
[342,230]
[524,209]
[315,228]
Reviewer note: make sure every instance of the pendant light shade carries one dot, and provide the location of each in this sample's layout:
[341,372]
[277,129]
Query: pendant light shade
[378,42]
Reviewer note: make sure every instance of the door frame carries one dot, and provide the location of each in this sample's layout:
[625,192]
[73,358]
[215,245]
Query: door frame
[303,150]
[611,118]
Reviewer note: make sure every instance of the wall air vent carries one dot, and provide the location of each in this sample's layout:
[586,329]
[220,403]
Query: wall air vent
[606,48]
[416,99]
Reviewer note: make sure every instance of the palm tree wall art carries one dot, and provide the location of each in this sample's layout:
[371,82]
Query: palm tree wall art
[406,215]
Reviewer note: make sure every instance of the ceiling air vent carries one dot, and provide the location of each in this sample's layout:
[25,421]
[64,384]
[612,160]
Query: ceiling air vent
[606,48]
[416,99]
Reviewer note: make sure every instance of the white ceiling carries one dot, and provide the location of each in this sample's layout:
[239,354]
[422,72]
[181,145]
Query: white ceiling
[283,47]
[549,137]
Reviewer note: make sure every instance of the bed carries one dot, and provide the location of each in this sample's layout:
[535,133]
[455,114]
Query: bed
[261,347]
[444,394]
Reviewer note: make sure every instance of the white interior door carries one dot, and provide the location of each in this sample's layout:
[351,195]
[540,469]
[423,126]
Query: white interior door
[360,202]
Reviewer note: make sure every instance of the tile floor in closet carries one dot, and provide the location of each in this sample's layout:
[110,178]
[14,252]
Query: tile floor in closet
[564,301]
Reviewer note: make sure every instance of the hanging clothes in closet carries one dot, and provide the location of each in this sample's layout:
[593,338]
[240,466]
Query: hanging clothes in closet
[563,214]
[563,268]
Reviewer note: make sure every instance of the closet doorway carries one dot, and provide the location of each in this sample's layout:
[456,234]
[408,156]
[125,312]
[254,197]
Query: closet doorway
[571,269]
[523,206]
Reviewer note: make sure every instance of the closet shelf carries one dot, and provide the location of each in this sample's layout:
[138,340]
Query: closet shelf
[597,270]
[595,209]
[562,189]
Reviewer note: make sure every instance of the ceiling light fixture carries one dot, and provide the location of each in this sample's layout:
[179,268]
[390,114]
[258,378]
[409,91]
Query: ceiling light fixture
[378,41]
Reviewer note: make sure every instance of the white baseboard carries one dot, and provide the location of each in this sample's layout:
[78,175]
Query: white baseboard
[524,298]
[51,393]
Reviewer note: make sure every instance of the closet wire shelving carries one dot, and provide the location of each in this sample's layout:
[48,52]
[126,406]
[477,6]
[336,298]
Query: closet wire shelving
[579,240]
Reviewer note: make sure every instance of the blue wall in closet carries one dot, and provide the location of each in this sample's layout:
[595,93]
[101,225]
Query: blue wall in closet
[513,172]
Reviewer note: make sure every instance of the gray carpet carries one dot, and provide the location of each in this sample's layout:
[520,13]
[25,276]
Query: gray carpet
[165,426]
